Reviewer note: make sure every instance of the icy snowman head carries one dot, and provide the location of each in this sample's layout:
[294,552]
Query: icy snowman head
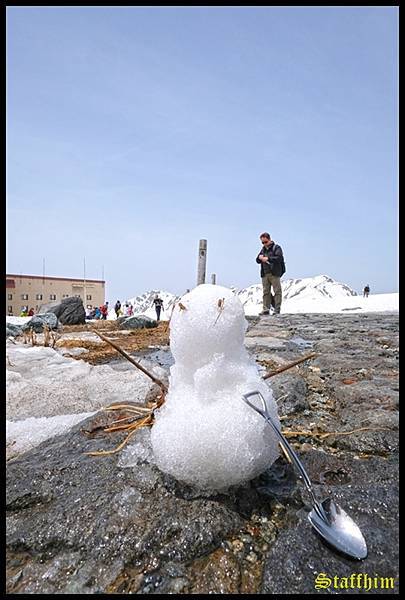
[204,434]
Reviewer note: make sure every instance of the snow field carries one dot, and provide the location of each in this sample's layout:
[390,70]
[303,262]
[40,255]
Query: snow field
[47,393]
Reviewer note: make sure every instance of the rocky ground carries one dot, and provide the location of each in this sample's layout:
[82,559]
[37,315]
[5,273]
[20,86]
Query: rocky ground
[96,351]
[116,524]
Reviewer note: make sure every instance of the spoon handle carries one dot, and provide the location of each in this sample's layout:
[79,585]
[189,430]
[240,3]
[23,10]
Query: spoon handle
[288,448]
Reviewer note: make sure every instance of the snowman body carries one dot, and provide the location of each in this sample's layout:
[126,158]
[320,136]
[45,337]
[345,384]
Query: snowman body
[204,434]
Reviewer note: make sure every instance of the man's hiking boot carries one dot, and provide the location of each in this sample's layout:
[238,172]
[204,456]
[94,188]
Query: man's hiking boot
[264,312]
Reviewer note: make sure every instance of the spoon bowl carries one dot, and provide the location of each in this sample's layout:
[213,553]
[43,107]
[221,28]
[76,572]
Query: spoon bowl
[337,528]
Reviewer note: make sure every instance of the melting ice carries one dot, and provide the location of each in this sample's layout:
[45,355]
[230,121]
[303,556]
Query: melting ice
[204,434]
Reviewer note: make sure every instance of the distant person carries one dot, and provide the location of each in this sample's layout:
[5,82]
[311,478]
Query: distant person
[104,311]
[130,310]
[97,313]
[272,268]
[117,308]
[126,310]
[366,291]
[31,312]
[24,312]
[158,302]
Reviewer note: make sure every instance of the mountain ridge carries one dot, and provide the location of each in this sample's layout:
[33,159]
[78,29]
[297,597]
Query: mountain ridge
[310,289]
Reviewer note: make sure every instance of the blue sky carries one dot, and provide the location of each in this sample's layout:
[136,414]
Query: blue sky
[133,132]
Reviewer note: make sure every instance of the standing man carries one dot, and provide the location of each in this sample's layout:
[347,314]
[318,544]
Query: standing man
[366,291]
[272,267]
[117,308]
[158,302]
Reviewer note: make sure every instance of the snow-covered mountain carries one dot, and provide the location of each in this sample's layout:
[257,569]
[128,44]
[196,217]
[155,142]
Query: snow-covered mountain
[309,295]
[144,304]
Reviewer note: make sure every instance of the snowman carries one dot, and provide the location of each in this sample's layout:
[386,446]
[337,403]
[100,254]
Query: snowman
[204,434]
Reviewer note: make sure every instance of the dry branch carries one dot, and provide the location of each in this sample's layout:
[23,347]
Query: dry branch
[133,361]
[324,434]
[46,334]
[221,303]
[293,364]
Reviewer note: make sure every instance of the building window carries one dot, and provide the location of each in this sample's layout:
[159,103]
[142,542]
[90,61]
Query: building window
[65,295]
[88,297]
[24,296]
[77,296]
[39,297]
[10,296]
[10,309]
[52,297]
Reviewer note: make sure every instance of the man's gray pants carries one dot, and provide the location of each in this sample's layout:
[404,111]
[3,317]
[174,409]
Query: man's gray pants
[271,281]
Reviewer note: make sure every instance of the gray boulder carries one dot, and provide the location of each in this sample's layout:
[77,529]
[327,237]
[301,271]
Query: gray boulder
[44,308]
[13,330]
[70,311]
[38,321]
[138,322]
[121,319]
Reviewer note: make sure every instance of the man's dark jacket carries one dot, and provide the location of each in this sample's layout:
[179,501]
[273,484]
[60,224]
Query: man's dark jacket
[275,254]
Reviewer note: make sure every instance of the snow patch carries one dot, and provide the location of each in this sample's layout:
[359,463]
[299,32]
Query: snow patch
[41,382]
[22,436]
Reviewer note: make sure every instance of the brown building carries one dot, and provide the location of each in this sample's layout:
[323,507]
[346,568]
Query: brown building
[34,290]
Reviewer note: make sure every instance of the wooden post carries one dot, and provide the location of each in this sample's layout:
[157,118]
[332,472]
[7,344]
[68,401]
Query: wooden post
[213,279]
[84,283]
[202,261]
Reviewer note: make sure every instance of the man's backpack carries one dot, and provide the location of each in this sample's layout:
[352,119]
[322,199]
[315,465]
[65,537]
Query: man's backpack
[281,262]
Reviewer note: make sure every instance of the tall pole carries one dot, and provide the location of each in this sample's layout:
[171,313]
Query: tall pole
[202,261]
[213,279]
[84,282]
[43,271]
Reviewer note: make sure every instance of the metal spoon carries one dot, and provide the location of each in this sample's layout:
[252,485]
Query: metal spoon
[326,517]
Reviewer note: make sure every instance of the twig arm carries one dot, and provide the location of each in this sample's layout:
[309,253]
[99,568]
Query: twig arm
[293,364]
[133,361]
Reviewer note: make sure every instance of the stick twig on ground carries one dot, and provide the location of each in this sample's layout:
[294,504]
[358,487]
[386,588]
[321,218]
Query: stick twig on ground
[324,434]
[293,364]
[133,361]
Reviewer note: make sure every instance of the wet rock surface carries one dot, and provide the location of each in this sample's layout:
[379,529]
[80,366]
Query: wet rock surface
[365,489]
[116,524]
